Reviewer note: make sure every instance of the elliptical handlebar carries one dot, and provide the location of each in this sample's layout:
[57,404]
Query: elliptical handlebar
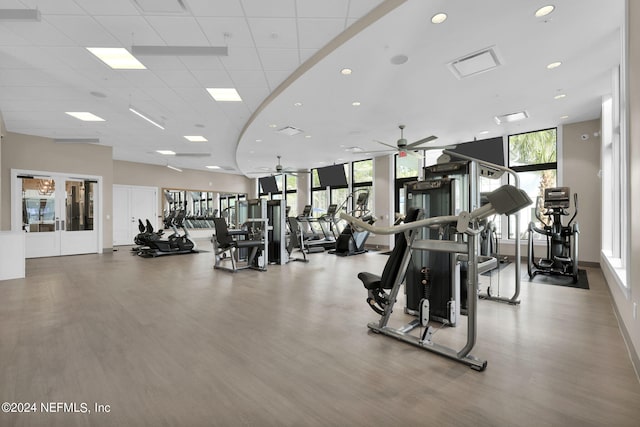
[575,204]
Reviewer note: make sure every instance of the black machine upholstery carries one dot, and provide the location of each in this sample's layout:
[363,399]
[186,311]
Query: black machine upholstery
[375,284]
[225,242]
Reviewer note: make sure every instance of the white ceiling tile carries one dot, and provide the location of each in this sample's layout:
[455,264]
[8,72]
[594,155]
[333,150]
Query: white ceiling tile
[202,62]
[162,62]
[322,9]
[26,77]
[60,7]
[177,78]
[178,31]
[236,28]
[279,59]
[40,33]
[249,78]
[241,59]
[271,8]
[9,38]
[274,32]
[144,79]
[83,29]
[359,8]
[215,7]
[111,7]
[315,33]
[212,78]
[305,54]
[275,77]
[130,30]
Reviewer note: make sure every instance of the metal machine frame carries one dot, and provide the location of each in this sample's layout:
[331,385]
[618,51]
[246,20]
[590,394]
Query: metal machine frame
[507,199]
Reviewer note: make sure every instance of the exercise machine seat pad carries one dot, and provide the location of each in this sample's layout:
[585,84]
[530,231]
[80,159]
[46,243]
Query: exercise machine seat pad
[369,280]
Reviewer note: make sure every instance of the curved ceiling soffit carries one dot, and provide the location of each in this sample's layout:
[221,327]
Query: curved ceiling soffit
[375,14]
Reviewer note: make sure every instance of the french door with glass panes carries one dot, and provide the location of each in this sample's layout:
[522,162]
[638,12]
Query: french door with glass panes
[59,213]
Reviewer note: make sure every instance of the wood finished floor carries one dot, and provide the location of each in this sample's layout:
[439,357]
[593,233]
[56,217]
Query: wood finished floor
[171,342]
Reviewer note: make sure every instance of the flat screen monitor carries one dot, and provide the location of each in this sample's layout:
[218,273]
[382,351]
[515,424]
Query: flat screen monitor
[332,176]
[490,150]
[269,184]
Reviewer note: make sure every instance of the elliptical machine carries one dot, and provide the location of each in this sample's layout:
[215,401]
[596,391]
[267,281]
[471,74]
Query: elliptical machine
[351,241]
[562,240]
[175,244]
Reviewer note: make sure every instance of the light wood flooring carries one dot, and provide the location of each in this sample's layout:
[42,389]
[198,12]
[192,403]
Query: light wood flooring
[171,342]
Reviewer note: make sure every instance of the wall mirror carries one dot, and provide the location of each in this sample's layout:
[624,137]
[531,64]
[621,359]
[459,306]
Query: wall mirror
[201,207]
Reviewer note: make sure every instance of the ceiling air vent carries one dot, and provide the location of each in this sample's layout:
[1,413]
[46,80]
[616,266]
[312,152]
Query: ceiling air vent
[161,6]
[289,130]
[475,63]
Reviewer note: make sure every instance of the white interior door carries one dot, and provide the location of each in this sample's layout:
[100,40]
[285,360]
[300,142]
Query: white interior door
[131,203]
[57,212]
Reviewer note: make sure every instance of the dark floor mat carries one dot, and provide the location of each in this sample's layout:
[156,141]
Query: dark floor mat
[583,281]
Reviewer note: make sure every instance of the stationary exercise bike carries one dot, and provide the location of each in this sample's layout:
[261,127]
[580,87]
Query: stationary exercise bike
[562,240]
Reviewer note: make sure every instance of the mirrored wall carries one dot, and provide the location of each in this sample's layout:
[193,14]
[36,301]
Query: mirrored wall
[201,207]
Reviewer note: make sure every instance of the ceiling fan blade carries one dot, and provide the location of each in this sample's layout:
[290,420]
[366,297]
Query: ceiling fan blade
[422,141]
[291,171]
[381,151]
[388,145]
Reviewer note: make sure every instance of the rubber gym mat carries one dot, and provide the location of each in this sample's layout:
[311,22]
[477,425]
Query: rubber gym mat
[583,281]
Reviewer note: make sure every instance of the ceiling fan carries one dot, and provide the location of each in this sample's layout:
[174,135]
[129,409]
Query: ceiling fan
[279,169]
[403,147]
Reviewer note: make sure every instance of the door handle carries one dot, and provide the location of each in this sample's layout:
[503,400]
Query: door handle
[62,225]
[57,225]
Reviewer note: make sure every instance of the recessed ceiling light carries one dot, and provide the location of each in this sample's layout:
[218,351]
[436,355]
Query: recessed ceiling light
[356,103]
[560,96]
[564,117]
[85,116]
[145,117]
[484,132]
[224,94]
[273,125]
[213,167]
[298,104]
[195,138]
[166,152]
[346,71]
[511,117]
[307,136]
[439,18]
[117,58]
[544,11]
[554,65]
[258,140]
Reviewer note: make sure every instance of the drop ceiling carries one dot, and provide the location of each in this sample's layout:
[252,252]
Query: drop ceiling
[284,58]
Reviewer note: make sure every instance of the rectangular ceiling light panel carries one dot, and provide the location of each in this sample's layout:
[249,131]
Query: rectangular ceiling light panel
[180,50]
[117,58]
[195,138]
[85,116]
[475,63]
[225,94]
[511,117]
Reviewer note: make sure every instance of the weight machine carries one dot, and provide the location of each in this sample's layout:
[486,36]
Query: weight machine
[505,200]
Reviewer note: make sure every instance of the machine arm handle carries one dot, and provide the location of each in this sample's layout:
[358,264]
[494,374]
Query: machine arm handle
[575,204]
[505,200]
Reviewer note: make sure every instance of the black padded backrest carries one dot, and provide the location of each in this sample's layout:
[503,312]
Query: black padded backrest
[222,232]
[392,267]
[295,232]
[149,227]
